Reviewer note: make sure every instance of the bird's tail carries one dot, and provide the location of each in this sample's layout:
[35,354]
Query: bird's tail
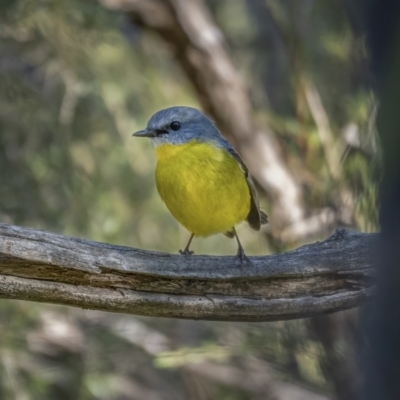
[263,218]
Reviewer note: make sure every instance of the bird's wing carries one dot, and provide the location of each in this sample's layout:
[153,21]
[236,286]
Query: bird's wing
[256,217]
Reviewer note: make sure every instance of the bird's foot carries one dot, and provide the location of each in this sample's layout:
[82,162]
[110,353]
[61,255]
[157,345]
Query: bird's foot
[186,252]
[242,256]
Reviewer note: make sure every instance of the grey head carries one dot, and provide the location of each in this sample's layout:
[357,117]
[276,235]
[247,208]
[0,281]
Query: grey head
[177,125]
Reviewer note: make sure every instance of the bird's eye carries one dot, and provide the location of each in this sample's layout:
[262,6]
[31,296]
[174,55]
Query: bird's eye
[175,125]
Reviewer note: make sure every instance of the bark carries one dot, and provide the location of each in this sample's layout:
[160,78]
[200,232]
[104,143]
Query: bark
[315,279]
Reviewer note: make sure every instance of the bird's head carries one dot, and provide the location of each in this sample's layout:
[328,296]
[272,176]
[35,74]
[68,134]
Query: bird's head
[177,125]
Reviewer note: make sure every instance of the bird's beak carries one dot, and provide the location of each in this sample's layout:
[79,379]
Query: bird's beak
[145,133]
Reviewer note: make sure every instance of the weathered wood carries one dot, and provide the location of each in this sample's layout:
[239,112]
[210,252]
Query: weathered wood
[314,279]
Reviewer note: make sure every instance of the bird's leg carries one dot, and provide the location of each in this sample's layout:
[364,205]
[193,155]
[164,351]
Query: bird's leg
[186,251]
[240,252]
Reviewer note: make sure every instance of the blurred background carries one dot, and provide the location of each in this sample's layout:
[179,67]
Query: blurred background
[287,82]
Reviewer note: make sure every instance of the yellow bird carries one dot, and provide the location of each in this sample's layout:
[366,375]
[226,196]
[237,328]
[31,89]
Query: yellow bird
[200,177]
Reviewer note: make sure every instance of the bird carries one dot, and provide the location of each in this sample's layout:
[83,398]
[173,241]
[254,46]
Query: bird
[200,177]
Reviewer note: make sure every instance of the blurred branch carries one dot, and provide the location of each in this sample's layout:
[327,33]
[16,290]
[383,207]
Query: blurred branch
[316,224]
[199,48]
[333,150]
[315,279]
[73,91]
[328,142]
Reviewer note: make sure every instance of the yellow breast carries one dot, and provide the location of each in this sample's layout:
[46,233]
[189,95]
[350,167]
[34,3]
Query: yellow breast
[203,187]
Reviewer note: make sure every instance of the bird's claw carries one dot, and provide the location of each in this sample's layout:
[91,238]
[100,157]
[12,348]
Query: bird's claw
[186,252]
[242,256]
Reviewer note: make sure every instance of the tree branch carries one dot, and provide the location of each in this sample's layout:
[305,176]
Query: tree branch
[315,279]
